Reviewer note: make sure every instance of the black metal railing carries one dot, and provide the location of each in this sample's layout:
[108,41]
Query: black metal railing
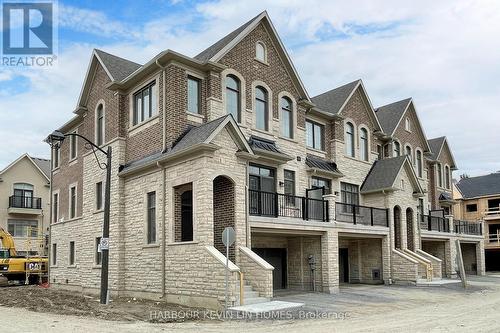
[364,215]
[273,204]
[17,201]
[434,223]
[468,227]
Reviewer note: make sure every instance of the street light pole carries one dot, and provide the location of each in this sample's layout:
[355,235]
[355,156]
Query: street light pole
[56,138]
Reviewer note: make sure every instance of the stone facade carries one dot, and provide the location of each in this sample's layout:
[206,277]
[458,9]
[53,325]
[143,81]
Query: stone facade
[149,256]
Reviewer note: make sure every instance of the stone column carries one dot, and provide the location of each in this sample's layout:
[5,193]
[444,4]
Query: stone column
[480,261]
[450,222]
[330,261]
[331,198]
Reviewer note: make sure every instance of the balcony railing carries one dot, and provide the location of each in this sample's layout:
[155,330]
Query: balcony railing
[494,238]
[433,223]
[467,227]
[16,201]
[492,212]
[273,204]
[363,215]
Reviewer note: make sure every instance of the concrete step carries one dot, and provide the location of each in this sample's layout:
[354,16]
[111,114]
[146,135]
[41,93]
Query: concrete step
[255,300]
[272,306]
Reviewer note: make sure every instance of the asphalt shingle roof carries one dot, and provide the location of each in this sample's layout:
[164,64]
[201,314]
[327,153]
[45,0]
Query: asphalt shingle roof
[213,49]
[480,186]
[320,163]
[119,68]
[389,115]
[383,174]
[331,101]
[43,164]
[436,145]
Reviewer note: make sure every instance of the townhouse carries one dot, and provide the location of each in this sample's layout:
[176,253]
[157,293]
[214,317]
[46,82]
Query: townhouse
[25,203]
[320,190]
[478,199]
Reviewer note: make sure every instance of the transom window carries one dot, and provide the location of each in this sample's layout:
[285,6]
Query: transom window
[144,104]
[286,118]
[194,95]
[233,99]
[363,144]
[261,109]
[349,139]
[315,135]
[260,52]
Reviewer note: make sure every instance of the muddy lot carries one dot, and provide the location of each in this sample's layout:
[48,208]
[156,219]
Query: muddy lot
[367,309]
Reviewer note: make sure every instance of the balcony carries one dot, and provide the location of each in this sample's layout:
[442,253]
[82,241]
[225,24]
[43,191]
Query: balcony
[433,223]
[362,215]
[271,204]
[467,227]
[493,239]
[492,213]
[25,205]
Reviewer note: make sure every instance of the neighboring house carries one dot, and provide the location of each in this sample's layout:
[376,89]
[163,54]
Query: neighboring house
[316,188]
[24,204]
[478,198]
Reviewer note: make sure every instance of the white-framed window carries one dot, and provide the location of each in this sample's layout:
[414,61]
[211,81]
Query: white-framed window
[145,103]
[363,144]
[73,146]
[396,148]
[408,124]
[72,201]
[286,117]
[260,51]
[99,124]
[315,135]
[194,95]
[56,156]
[349,139]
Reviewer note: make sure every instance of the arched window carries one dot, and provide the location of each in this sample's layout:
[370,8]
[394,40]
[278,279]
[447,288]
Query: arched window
[349,139]
[233,99]
[260,52]
[363,144]
[99,125]
[397,149]
[261,109]
[447,176]
[286,117]
[408,153]
[419,163]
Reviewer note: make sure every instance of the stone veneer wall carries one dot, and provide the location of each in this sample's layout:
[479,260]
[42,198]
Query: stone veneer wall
[403,268]
[365,255]
[438,250]
[469,257]
[257,272]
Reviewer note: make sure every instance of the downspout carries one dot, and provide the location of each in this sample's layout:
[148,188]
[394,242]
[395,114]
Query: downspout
[163,231]
[247,203]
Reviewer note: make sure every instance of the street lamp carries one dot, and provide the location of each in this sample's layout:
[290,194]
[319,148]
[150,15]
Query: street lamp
[55,139]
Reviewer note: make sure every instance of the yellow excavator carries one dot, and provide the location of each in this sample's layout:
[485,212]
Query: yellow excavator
[19,268]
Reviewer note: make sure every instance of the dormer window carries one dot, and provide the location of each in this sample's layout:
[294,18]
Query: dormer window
[408,124]
[260,52]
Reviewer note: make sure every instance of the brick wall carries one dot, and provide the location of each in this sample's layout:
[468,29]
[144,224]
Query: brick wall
[223,210]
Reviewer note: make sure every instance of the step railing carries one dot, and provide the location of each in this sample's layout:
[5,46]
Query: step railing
[364,215]
[272,204]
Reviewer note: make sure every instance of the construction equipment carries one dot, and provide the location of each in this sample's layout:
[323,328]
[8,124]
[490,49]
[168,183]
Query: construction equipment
[14,267]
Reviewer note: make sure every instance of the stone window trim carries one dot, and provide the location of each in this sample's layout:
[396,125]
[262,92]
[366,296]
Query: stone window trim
[201,79]
[71,186]
[73,140]
[157,217]
[447,177]
[270,117]
[396,152]
[140,126]
[97,208]
[439,175]
[243,101]
[56,209]
[53,255]
[362,127]
[408,124]
[419,152]
[97,258]
[410,156]
[56,157]
[283,94]
[173,186]
[71,254]
[355,138]
[261,44]
[102,103]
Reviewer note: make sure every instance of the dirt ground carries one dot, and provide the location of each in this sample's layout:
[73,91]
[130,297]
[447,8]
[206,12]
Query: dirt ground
[363,309]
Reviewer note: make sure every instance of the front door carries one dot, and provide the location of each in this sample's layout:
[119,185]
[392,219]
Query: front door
[276,257]
[344,265]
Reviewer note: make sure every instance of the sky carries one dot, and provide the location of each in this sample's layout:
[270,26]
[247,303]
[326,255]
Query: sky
[445,54]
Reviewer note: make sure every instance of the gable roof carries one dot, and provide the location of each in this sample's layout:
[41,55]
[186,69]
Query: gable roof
[390,115]
[194,137]
[216,51]
[335,100]
[437,145]
[383,175]
[480,186]
[41,164]
[116,67]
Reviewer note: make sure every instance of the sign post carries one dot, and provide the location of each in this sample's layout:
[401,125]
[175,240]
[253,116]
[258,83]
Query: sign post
[228,238]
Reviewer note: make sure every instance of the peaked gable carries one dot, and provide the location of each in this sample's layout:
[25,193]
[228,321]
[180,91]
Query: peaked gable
[217,51]
[40,164]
